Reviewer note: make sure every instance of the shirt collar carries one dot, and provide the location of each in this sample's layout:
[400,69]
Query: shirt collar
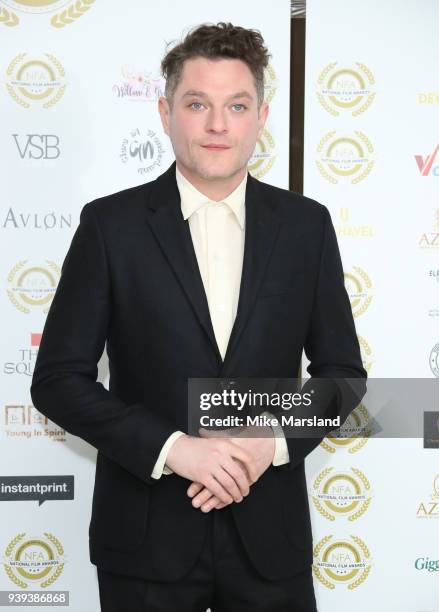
[192,199]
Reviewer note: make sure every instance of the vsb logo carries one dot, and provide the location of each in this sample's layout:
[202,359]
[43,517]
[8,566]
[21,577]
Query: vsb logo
[37,146]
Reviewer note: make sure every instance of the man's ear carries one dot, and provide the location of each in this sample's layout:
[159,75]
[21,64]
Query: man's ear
[263,114]
[164,111]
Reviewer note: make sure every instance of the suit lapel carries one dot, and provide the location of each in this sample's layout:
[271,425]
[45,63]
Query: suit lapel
[173,235]
[261,228]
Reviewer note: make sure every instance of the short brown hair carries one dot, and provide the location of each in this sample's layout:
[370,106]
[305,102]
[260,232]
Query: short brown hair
[222,40]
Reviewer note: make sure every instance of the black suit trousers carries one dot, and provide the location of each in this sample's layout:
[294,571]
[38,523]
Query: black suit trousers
[222,579]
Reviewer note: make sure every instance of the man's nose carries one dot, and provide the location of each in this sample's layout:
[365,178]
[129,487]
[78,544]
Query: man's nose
[216,121]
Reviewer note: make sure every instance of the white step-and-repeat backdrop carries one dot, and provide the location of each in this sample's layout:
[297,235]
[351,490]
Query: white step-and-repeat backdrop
[79,88]
[79,83]
[372,156]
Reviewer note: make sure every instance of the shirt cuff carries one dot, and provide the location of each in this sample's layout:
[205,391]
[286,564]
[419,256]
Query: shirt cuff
[160,467]
[281,454]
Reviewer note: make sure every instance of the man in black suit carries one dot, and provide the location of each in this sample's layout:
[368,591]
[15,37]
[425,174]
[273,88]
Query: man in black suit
[162,274]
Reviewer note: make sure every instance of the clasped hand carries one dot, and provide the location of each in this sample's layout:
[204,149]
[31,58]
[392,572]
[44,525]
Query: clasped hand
[222,464]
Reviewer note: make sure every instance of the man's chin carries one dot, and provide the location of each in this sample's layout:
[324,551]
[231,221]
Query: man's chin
[216,174]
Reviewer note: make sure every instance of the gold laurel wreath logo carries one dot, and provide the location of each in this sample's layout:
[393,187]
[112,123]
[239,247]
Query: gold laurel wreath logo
[315,568]
[8,570]
[367,569]
[272,75]
[320,166]
[353,585]
[24,585]
[8,18]
[361,441]
[364,506]
[367,432]
[370,165]
[329,176]
[320,97]
[60,567]
[10,278]
[364,345]
[368,284]
[334,112]
[10,71]
[316,502]
[18,266]
[62,89]
[259,173]
[70,14]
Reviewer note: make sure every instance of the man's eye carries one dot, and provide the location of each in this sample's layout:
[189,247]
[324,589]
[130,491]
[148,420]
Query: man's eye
[196,105]
[239,107]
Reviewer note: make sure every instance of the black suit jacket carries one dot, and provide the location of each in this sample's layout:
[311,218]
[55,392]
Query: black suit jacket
[130,278]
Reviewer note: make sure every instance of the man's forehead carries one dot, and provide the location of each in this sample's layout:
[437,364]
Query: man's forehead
[199,93]
[208,67]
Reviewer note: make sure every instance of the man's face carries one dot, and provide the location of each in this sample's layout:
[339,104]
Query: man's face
[214,122]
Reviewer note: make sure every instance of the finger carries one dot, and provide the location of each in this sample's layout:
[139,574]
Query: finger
[213,503]
[228,483]
[239,474]
[194,488]
[247,459]
[219,433]
[202,497]
[217,489]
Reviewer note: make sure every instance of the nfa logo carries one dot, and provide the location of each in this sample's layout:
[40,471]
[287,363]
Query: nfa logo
[359,288]
[34,561]
[426,166]
[263,156]
[72,10]
[430,509]
[434,360]
[341,562]
[341,494]
[36,81]
[346,157]
[430,240]
[142,149]
[352,435]
[32,286]
[345,89]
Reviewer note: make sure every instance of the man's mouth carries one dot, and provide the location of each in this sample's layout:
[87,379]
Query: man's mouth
[215,147]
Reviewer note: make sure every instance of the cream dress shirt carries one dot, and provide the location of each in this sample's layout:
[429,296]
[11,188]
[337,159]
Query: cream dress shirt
[217,231]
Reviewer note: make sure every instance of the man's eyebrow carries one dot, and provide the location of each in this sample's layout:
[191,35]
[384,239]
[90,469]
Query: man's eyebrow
[202,94]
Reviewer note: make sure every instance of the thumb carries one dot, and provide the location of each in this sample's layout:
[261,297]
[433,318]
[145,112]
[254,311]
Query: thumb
[204,433]
[219,433]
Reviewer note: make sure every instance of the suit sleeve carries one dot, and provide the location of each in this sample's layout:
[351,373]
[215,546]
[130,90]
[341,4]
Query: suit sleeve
[64,385]
[338,378]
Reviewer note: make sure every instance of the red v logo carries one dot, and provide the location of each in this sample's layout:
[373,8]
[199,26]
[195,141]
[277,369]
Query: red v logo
[425,166]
